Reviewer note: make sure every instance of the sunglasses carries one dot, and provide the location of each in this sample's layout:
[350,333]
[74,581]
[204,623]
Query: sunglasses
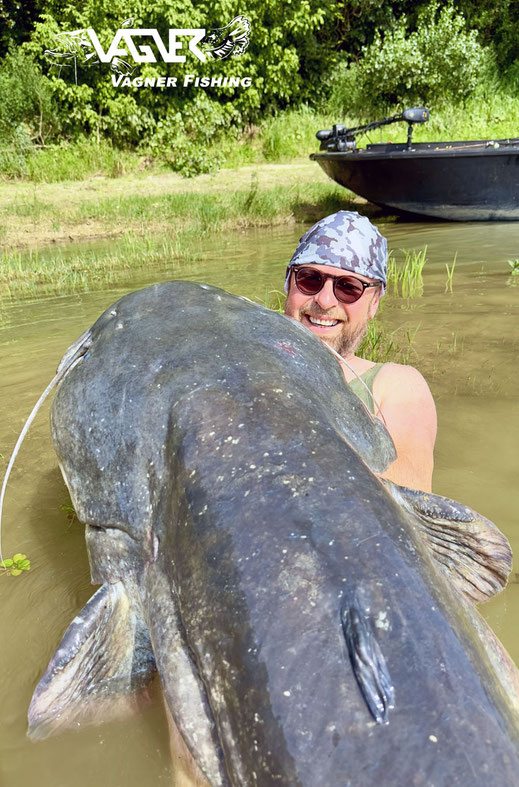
[347,289]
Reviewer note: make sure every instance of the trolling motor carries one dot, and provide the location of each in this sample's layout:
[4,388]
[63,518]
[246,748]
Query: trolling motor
[342,139]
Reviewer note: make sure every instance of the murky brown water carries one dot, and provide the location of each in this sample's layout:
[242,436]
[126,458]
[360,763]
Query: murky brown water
[466,345]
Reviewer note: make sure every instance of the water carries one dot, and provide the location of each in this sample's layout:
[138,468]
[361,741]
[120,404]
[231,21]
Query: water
[466,345]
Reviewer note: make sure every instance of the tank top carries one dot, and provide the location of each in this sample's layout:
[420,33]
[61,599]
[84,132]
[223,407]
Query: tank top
[369,378]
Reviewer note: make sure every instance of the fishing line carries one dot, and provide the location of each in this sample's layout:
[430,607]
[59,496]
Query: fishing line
[24,431]
[376,405]
[62,372]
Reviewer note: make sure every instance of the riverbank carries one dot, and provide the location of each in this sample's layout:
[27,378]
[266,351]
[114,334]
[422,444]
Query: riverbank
[150,218]
[35,215]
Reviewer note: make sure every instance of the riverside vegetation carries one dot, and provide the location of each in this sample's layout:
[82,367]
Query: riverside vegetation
[310,64]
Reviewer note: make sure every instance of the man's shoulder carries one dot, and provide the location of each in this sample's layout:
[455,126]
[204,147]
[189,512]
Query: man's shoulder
[401,372]
[402,381]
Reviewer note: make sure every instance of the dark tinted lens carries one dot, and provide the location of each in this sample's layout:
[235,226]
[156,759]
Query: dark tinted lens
[309,282]
[348,289]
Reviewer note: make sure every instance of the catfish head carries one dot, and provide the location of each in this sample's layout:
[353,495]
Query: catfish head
[220,551]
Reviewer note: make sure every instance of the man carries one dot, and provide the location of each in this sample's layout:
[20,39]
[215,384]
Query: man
[334,284]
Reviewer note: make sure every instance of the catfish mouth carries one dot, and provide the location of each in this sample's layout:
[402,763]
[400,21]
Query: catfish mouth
[93,530]
[74,354]
[113,553]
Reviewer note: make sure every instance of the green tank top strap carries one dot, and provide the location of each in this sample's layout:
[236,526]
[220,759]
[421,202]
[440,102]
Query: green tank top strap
[360,390]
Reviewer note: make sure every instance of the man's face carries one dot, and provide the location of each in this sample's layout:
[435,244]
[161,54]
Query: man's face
[341,325]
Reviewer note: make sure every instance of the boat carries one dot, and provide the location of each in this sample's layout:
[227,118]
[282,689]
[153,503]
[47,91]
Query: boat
[471,180]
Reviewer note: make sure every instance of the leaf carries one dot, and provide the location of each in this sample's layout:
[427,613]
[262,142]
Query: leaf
[19,557]
[7,562]
[15,572]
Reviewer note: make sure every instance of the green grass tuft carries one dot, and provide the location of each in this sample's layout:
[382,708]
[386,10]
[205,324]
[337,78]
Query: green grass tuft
[406,278]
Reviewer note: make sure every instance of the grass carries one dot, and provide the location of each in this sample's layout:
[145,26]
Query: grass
[166,228]
[453,347]
[30,274]
[283,137]
[291,134]
[450,274]
[382,346]
[72,161]
[406,278]
[267,195]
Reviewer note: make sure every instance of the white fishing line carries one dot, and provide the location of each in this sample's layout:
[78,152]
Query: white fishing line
[376,405]
[55,380]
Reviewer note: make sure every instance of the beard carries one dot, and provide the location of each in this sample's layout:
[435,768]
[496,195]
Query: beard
[348,340]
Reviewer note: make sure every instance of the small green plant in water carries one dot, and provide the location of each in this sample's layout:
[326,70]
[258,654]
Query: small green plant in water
[274,300]
[70,511]
[377,344]
[15,565]
[450,274]
[514,265]
[406,279]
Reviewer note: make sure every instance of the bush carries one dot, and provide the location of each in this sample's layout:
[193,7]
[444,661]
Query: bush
[286,57]
[27,99]
[438,61]
[186,140]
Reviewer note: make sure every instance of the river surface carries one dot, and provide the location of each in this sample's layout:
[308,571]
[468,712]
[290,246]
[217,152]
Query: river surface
[466,344]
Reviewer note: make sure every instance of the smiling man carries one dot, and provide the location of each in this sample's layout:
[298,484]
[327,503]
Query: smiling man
[334,283]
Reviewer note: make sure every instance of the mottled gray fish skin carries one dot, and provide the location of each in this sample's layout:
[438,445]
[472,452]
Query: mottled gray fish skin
[231,473]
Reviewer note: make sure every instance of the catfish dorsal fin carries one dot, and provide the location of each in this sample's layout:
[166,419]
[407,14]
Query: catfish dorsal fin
[470,549]
[368,662]
[104,657]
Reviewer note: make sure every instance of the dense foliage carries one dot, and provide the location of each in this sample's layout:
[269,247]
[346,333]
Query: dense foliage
[439,60]
[365,54]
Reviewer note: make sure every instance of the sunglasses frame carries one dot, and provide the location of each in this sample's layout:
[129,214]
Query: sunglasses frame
[325,276]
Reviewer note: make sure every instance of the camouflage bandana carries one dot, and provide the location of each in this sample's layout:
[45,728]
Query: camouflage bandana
[344,240]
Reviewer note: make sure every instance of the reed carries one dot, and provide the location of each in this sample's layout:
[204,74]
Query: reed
[406,278]
[382,346]
[450,274]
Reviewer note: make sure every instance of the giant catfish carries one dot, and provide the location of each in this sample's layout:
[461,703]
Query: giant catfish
[306,628]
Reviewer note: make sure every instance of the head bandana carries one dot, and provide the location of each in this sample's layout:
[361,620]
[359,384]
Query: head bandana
[344,240]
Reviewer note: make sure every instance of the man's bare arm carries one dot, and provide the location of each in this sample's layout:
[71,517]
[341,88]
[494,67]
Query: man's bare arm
[410,417]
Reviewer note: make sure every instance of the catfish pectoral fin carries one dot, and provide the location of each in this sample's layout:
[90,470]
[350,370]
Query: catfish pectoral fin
[105,654]
[473,552]
[369,664]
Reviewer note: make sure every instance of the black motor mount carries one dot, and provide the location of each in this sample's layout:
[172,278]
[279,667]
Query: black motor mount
[340,139]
